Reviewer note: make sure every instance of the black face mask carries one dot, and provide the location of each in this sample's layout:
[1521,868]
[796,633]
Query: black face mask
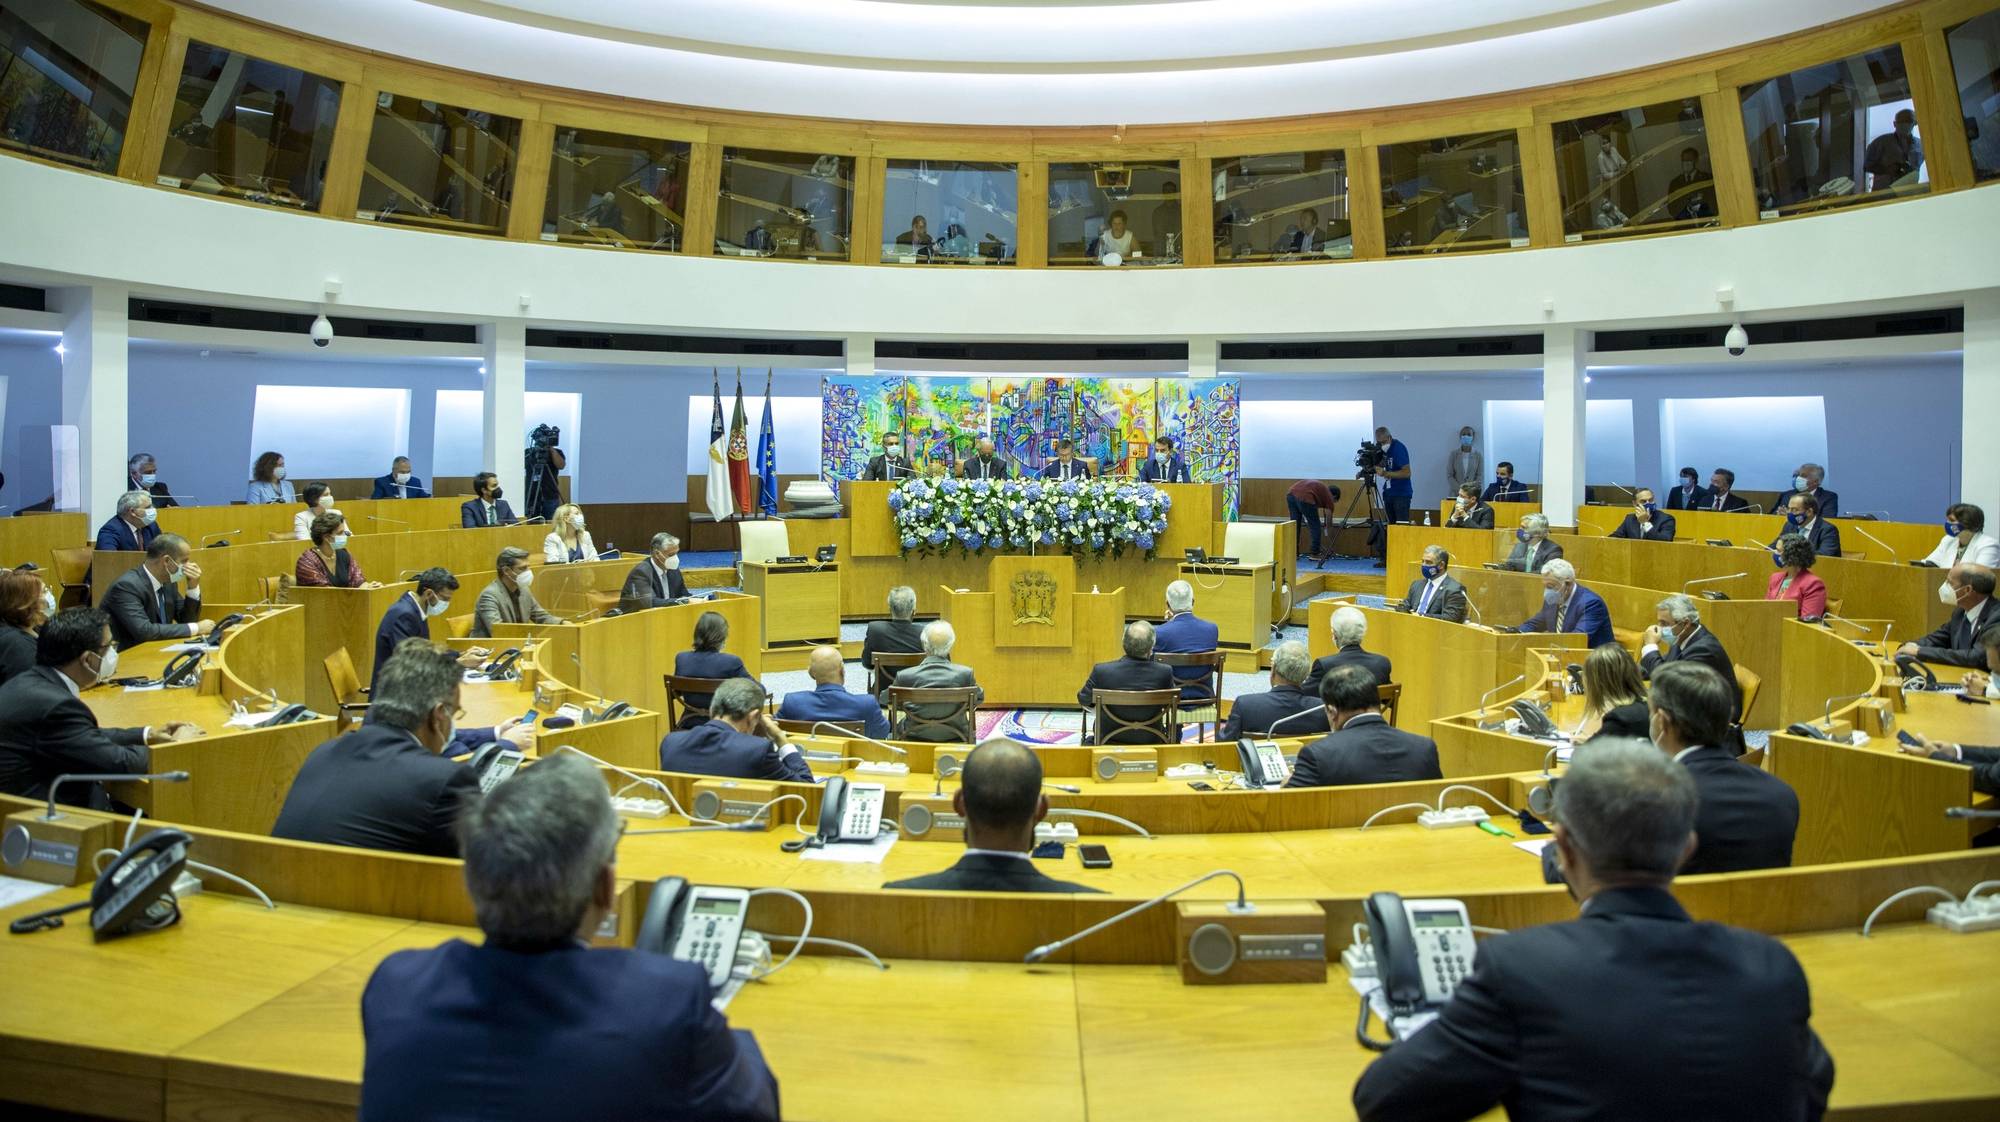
[493,496]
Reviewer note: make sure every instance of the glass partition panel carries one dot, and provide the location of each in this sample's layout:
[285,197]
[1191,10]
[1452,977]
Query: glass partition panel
[67,71]
[249,129]
[1454,194]
[1975,68]
[949,212]
[785,204]
[1635,171]
[1287,206]
[1834,134]
[1122,213]
[439,166]
[610,189]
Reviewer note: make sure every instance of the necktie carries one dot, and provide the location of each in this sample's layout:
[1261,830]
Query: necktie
[1425,603]
[659,590]
[1562,610]
[489,514]
[1718,502]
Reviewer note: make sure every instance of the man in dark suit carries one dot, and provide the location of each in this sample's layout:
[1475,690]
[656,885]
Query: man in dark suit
[1719,496]
[1364,747]
[1350,626]
[1568,606]
[143,474]
[917,237]
[1065,466]
[1308,237]
[985,463]
[1000,797]
[1288,707]
[1803,518]
[1806,481]
[1163,466]
[1138,670]
[399,483]
[1688,495]
[898,634]
[538,865]
[1505,488]
[1532,547]
[937,671]
[409,618]
[1968,589]
[1470,512]
[145,607]
[1985,762]
[1646,523]
[133,528]
[1606,1016]
[1748,817]
[739,740]
[487,508]
[657,579]
[47,731]
[1678,636]
[1183,632]
[829,700]
[889,466]
[1435,593]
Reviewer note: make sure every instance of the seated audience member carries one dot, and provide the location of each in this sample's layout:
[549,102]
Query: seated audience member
[540,855]
[1287,710]
[1802,518]
[1505,488]
[1688,494]
[1794,579]
[657,579]
[1969,591]
[268,483]
[1806,481]
[1186,633]
[1137,670]
[1985,762]
[1646,522]
[1532,547]
[937,671]
[1350,626]
[1435,593]
[1678,636]
[327,564]
[1719,495]
[507,598]
[25,606]
[142,473]
[1310,502]
[918,236]
[889,466]
[145,607]
[1363,746]
[738,740]
[898,634]
[1965,539]
[486,507]
[409,618]
[47,731]
[706,660]
[1531,1028]
[1000,797]
[829,700]
[399,483]
[1065,466]
[1569,607]
[1165,465]
[1747,817]
[568,540]
[1470,512]
[1614,695]
[318,499]
[133,528]
[985,462]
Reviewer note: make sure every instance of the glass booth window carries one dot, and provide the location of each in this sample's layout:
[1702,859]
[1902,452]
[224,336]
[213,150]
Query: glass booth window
[1975,66]
[250,129]
[1636,169]
[1454,194]
[624,191]
[439,165]
[785,204]
[1834,134]
[67,71]
[1287,206]
[949,212]
[1115,214]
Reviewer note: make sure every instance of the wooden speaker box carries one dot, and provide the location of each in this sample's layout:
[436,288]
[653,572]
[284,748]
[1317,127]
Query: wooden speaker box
[1281,941]
[736,800]
[931,818]
[1125,765]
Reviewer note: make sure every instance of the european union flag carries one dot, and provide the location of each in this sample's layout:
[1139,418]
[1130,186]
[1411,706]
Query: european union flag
[767,458]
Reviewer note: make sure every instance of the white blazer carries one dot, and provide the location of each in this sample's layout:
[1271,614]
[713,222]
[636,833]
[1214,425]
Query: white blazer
[302,522]
[1983,550]
[556,552]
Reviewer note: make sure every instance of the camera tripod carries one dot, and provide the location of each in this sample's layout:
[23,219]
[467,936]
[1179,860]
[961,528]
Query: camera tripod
[1365,488]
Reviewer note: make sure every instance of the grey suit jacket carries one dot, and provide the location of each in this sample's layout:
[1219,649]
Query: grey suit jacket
[135,614]
[1448,602]
[1464,467]
[496,606]
[1546,551]
[935,673]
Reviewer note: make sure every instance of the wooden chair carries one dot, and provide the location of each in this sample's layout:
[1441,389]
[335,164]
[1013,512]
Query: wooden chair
[956,725]
[458,627]
[277,589]
[805,728]
[1163,727]
[346,684]
[1206,713]
[1748,683]
[1754,757]
[679,708]
[1389,695]
[73,574]
[275,536]
[886,665]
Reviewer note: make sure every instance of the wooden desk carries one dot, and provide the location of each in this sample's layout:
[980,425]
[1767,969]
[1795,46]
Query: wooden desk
[1900,542]
[801,603]
[249,524]
[1237,599]
[1443,667]
[36,537]
[1037,676]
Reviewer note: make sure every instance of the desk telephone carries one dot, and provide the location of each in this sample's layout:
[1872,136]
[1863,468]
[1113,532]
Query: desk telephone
[494,764]
[1916,676]
[137,892]
[1535,722]
[850,812]
[501,667]
[1263,763]
[184,669]
[1423,949]
[224,624]
[699,923]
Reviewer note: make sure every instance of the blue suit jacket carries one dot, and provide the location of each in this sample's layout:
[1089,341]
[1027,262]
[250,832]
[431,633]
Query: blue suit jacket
[469,514]
[1187,634]
[716,749]
[403,620]
[830,701]
[705,664]
[1173,471]
[1825,537]
[1587,614]
[116,536]
[385,487]
[631,1033]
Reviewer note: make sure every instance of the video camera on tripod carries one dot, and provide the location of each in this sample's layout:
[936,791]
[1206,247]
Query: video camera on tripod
[538,466]
[1367,458]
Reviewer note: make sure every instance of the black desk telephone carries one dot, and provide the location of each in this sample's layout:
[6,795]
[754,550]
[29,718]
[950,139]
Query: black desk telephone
[136,892]
[494,764]
[225,623]
[1423,949]
[501,667]
[1535,720]
[184,669]
[698,923]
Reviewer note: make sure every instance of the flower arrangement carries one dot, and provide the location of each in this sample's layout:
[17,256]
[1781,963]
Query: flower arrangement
[1102,518]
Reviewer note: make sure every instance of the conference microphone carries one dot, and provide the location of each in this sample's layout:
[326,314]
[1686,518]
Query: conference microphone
[1478,616]
[537,520]
[942,770]
[755,824]
[390,521]
[1878,541]
[1242,906]
[221,538]
[1518,679]
[1076,812]
[1711,580]
[1871,515]
[1863,627]
[1754,508]
[1828,715]
[1969,812]
[851,735]
[1272,732]
[642,780]
[1067,788]
[160,777]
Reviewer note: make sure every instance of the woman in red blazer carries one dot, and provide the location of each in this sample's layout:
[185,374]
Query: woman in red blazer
[1794,579]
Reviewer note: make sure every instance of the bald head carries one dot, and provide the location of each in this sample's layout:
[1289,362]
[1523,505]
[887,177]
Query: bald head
[1000,795]
[1139,640]
[827,667]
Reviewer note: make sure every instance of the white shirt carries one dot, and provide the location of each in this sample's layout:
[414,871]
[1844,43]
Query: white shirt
[972,852]
[1108,242]
[556,552]
[302,522]
[193,594]
[1983,549]
[1683,753]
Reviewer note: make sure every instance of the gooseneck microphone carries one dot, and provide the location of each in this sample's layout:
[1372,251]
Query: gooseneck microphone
[1711,580]
[158,777]
[1518,679]
[1242,906]
[849,734]
[1272,732]
[1893,555]
[1066,788]
[221,538]
[1831,701]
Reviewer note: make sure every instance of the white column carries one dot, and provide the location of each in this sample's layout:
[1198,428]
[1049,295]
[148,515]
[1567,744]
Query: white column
[1564,351]
[860,356]
[1204,356]
[94,390]
[1979,466]
[503,410]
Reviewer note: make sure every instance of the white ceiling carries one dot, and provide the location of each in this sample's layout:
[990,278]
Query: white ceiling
[1048,62]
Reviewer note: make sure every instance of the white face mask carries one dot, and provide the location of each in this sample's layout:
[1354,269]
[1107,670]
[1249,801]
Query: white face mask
[326,502]
[173,573]
[48,601]
[401,477]
[576,520]
[278,474]
[1993,686]
[1798,482]
[150,516]
[1947,596]
[437,608]
[673,562]
[526,578]
[107,665]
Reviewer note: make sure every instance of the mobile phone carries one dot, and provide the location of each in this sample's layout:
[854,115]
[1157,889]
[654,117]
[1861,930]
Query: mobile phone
[1971,700]
[1094,856]
[1049,850]
[1903,737]
[1201,785]
[530,717]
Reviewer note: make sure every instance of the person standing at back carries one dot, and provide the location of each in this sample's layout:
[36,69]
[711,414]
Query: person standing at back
[1394,474]
[1465,464]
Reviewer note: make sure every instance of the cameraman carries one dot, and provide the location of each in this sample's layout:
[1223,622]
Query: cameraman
[1393,471]
[1894,155]
[543,465]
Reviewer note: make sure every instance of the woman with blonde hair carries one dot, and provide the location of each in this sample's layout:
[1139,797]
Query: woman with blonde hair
[1614,695]
[568,540]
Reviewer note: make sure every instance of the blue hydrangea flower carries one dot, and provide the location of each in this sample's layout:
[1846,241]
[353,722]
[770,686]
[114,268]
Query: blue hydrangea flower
[911,541]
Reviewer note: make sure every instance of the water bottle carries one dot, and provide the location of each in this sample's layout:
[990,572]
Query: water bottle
[1427,517]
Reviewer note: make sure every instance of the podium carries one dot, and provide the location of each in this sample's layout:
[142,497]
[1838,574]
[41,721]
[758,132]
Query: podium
[1237,598]
[801,602]
[1033,639]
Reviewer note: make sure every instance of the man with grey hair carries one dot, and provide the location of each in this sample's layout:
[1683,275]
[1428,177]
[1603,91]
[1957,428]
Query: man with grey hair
[142,473]
[632,1033]
[1138,670]
[937,672]
[507,599]
[1287,709]
[1567,606]
[899,634]
[1186,633]
[739,740]
[1608,1015]
[1532,547]
[1435,592]
[1807,481]
[1349,626]
[132,528]
[657,579]
[1678,636]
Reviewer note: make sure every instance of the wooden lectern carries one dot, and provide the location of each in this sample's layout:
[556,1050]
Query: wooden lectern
[1238,599]
[801,602]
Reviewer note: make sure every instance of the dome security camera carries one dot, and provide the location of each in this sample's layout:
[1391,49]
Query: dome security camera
[1737,341]
[322,332]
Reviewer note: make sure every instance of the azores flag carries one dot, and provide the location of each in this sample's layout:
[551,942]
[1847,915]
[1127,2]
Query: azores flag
[767,458]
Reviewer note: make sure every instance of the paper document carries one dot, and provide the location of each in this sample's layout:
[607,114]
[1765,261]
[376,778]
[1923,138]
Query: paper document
[154,688]
[853,853]
[1532,846]
[14,890]
[180,648]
